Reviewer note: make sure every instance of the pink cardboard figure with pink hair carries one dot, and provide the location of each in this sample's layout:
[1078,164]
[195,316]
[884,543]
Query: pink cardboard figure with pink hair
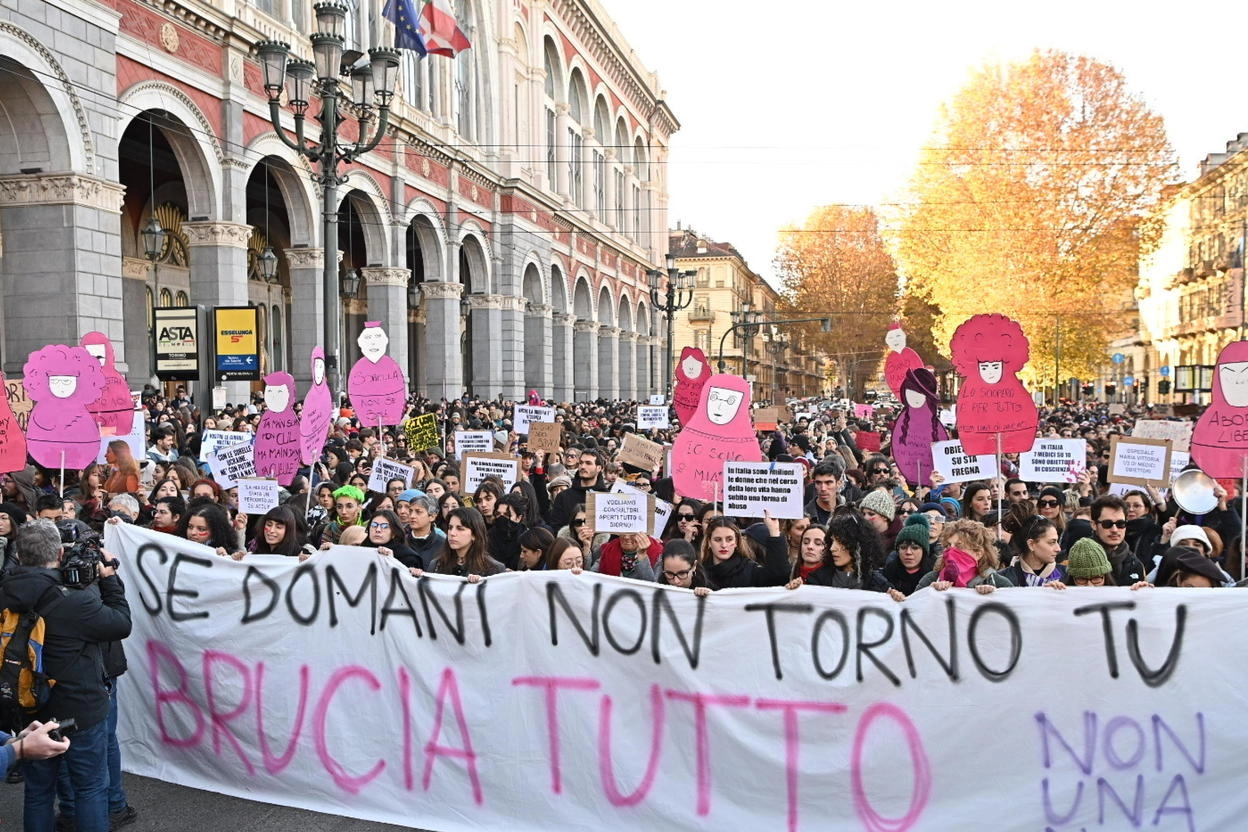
[63,381]
[990,351]
[12,440]
[692,371]
[376,385]
[114,409]
[277,449]
[900,359]
[719,431]
[318,412]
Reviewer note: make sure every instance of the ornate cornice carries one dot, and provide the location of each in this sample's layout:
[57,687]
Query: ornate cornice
[214,233]
[511,303]
[305,258]
[61,189]
[386,276]
[586,326]
[608,331]
[135,268]
[563,319]
[437,290]
[484,301]
[540,310]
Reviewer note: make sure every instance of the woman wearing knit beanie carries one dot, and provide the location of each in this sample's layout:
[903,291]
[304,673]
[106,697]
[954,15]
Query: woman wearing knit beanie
[913,560]
[1088,565]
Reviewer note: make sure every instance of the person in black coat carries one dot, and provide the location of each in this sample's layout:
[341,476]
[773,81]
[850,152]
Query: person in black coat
[388,535]
[734,560]
[588,478]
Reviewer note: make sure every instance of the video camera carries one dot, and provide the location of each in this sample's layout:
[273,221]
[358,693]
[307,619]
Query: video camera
[83,554]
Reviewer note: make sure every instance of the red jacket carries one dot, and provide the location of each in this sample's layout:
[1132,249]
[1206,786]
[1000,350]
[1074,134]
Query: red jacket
[612,555]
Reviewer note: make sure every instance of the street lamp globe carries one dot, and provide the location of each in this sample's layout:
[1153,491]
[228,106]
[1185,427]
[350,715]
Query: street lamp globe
[273,55]
[153,238]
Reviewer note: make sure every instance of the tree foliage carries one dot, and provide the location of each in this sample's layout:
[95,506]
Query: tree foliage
[1033,200]
[836,265]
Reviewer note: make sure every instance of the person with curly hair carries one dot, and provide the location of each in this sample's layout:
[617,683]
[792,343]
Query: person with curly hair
[854,556]
[969,560]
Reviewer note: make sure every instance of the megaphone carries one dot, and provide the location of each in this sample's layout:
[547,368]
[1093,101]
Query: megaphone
[1193,491]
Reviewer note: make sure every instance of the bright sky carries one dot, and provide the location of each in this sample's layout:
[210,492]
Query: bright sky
[792,105]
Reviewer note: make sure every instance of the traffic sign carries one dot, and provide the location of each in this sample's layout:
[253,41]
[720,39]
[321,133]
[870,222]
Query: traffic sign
[1118,358]
[1165,370]
[1128,381]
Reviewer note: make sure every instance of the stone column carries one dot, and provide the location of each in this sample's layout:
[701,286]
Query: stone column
[443,367]
[561,356]
[585,361]
[307,311]
[387,302]
[60,271]
[608,216]
[538,350]
[609,362]
[645,387]
[628,365]
[139,340]
[218,259]
[513,347]
[485,321]
[563,152]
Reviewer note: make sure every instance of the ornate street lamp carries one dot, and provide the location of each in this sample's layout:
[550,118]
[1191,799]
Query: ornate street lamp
[678,296]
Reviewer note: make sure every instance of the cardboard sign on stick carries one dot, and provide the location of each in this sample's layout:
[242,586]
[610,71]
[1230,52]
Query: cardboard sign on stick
[662,508]
[620,512]
[652,418]
[750,488]
[479,466]
[641,452]
[1054,460]
[231,464]
[956,465]
[548,436]
[527,413]
[473,442]
[384,470]
[257,496]
[422,432]
[1136,460]
[1179,433]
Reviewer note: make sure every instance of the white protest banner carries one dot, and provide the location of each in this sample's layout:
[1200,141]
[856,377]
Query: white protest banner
[526,413]
[479,466]
[1134,460]
[662,508]
[257,496]
[618,512]
[386,469]
[136,439]
[849,711]
[658,399]
[955,465]
[652,418]
[231,464]
[751,487]
[214,439]
[1179,433]
[473,442]
[1054,460]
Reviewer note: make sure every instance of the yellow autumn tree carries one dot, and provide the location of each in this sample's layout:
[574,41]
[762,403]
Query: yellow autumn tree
[1032,200]
[836,265]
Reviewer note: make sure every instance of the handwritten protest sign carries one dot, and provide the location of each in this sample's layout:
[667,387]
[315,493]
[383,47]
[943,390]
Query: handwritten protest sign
[479,466]
[956,465]
[422,432]
[214,439]
[1054,460]
[12,438]
[652,418]
[231,464]
[548,436]
[662,508]
[867,440]
[752,487]
[473,442]
[526,413]
[620,512]
[640,452]
[744,675]
[863,411]
[1135,460]
[658,399]
[384,470]
[19,401]
[257,496]
[1179,433]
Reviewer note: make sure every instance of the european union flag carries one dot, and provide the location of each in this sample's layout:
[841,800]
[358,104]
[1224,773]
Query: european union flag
[406,20]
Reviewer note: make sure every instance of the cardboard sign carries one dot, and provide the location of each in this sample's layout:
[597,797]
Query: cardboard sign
[1054,460]
[546,436]
[652,418]
[750,488]
[384,470]
[867,440]
[995,413]
[956,465]
[12,434]
[479,466]
[231,464]
[1117,409]
[619,512]
[422,432]
[640,452]
[1139,461]
[212,440]
[257,496]
[863,411]
[662,508]
[473,442]
[526,413]
[1179,433]
[658,399]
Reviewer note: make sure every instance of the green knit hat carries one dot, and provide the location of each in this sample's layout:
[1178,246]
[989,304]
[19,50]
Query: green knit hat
[1087,560]
[918,530]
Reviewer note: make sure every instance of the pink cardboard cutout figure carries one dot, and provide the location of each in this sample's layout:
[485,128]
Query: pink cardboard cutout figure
[989,351]
[918,426]
[277,449]
[719,431]
[900,358]
[1219,440]
[535,398]
[692,371]
[376,385]
[12,440]
[318,412]
[114,409]
[62,381]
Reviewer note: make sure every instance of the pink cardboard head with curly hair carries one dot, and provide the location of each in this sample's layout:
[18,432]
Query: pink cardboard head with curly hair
[989,351]
[63,381]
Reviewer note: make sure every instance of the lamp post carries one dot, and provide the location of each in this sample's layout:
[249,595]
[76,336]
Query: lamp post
[678,296]
[825,325]
[748,319]
[372,85]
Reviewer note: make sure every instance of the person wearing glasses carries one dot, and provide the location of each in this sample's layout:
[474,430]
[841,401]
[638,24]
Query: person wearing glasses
[1050,505]
[388,536]
[1109,528]
[680,568]
[684,523]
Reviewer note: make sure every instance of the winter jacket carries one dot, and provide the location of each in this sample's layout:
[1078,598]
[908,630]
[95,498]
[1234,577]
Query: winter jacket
[739,571]
[992,578]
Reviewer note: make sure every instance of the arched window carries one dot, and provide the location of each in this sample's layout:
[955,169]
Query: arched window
[576,141]
[415,80]
[182,300]
[466,81]
[166,298]
[554,84]
[602,132]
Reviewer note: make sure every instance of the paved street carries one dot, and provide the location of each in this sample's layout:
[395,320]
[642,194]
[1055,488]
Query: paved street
[168,808]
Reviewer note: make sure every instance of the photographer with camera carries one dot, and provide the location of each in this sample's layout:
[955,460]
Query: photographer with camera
[81,615]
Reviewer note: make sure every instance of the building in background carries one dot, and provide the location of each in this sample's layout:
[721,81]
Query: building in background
[501,232]
[772,357]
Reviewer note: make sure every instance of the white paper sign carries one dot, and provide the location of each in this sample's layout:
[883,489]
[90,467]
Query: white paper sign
[792,738]
[752,487]
[662,508]
[233,463]
[618,512]
[214,439]
[385,470]
[1139,461]
[473,442]
[135,439]
[257,496]
[657,399]
[479,466]
[1179,433]
[651,418]
[526,413]
[1054,460]
[955,465]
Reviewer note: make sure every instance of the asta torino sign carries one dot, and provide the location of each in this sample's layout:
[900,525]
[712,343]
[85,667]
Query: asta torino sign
[177,343]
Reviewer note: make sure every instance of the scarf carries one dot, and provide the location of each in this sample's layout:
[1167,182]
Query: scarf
[960,567]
